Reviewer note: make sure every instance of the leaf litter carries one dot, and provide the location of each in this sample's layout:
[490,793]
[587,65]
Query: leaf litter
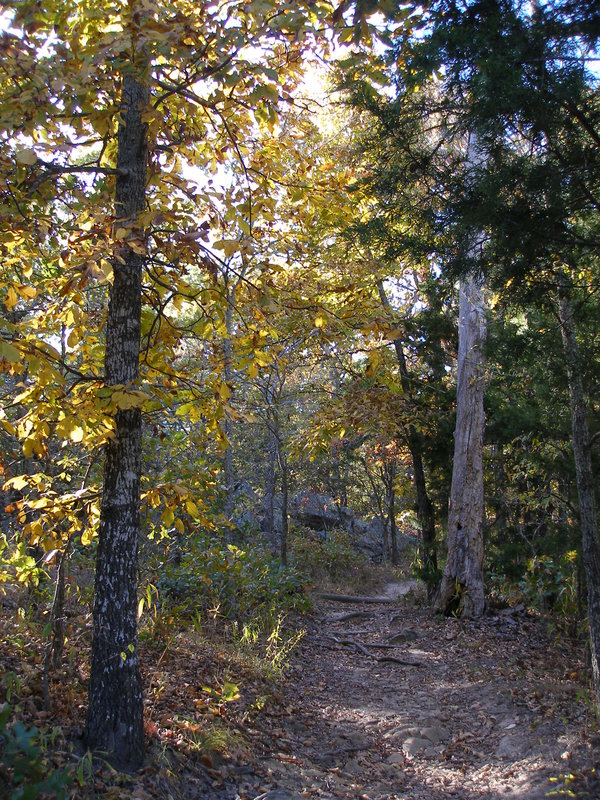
[498,708]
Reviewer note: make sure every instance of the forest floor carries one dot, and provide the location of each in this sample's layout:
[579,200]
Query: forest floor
[488,709]
[380,701]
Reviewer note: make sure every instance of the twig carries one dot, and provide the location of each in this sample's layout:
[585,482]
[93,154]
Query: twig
[340,751]
[346,616]
[350,598]
[390,659]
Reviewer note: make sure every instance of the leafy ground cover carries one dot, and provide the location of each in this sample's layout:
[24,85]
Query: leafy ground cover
[376,700]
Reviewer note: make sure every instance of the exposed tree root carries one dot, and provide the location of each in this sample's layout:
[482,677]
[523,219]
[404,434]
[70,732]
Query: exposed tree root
[363,649]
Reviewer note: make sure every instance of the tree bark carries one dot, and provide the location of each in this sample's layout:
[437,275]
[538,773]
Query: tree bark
[114,717]
[393,530]
[270,485]
[283,536]
[425,511]
[461,589]
[380,510]
[580,440]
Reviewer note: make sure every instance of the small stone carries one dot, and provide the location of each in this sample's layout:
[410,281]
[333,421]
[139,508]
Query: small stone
[281,794]
[435,734]
[395,758]
[353,767]
[513,747]
[357,741]
[414,745]
[402,733]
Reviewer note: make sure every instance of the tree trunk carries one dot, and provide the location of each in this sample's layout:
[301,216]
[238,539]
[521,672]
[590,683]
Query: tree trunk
[393,530]
[270,486]
[461,589]
[425,511]
[380,511]
[425,515]
[283,540]
[584,475]
[114,718]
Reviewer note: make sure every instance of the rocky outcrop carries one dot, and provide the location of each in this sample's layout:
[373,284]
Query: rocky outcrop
[316,511]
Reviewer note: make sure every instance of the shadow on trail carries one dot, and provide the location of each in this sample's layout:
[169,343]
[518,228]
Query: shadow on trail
[470,721]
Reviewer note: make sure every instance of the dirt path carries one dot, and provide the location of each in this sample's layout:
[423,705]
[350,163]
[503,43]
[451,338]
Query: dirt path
[492,709]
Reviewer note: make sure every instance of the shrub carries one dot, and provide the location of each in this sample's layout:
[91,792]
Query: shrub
[324,554]
[550,584]
[237,583]
[24,766]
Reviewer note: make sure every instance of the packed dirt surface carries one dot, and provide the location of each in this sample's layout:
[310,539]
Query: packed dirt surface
[381,701]
[384,702]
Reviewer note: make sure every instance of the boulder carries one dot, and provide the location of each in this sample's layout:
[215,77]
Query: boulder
[320,512]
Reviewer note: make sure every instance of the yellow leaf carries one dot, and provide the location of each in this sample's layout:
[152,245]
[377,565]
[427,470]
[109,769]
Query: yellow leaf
[192,508]
[229,246]
[36,530]
[107,270]
[8,427]
[74,338]
[319,321]
[224,392]
[134,398]
[18,483]
[42,502]
[138,246]
[76,434]
[11,299]
[87,536]
[253,370]
[180,526]
[373,363]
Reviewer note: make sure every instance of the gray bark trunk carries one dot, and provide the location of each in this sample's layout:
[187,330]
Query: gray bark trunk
[114,719]
[395,556]
[270,485]
[461,589]
[585,477]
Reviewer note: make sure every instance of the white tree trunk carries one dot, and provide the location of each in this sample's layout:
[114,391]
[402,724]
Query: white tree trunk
[461,589]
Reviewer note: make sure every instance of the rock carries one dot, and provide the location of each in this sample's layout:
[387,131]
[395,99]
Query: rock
[368,537]
[395,758]
[357,741]
[319,511]
[353,767]
[402,733]
[435,734]
[513,746]
[323,513]
[414,745]
[399,589]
